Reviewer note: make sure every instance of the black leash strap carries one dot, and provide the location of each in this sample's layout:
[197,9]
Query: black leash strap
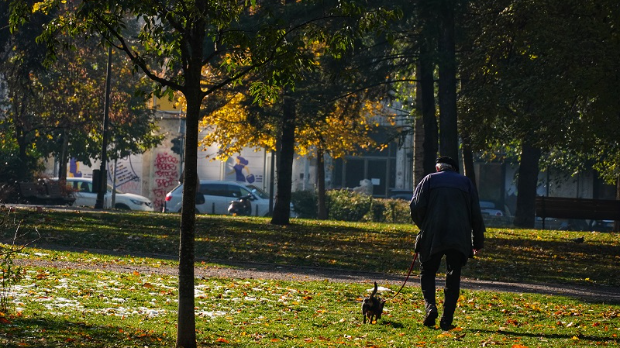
[415,257]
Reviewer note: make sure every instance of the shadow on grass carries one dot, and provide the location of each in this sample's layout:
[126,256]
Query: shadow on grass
[43,333]
[595,340]
[394,324]
[563,261]
[236,239]
[323,245]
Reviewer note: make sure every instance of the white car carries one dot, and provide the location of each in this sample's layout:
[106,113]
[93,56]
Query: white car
[217,197]
[488,208]
[82,189]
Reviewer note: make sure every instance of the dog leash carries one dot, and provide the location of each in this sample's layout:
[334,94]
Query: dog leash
[415,257]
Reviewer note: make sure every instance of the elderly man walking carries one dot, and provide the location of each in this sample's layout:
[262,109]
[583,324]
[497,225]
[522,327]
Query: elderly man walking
[445,207]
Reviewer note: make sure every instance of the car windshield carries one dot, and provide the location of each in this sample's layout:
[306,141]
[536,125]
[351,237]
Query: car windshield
[89,183]
[260,193]
[117,190]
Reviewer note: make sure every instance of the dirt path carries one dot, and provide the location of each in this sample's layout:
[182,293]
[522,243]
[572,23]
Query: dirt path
[279,272]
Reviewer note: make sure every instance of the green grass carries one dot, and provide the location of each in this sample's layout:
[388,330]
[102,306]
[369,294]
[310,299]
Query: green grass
[97,308]
[72,308]
[512,255]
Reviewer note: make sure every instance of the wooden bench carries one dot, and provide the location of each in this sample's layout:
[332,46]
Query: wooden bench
[577,208]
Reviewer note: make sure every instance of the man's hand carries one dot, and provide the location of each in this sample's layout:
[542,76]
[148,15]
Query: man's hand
[475,251]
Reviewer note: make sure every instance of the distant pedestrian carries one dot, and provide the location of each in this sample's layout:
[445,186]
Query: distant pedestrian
[445,207]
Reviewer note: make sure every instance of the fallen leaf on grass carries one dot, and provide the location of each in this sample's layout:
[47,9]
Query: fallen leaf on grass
[512,322]
[459,337]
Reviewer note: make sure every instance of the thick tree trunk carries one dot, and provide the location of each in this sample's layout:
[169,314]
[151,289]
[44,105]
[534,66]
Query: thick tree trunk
[468,160]
[617,223]
[321,202]
[448,143]
[427,91]
[418,169]
[282,209]
[526,186]
[186,326]
[418,151]
[186,330]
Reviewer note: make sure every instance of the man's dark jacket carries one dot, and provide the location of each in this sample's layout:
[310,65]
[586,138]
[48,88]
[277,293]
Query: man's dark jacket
[445,207]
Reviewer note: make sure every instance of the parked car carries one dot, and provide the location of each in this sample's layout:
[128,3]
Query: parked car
[401,194]
[488,208]
[217,197]
[84,196]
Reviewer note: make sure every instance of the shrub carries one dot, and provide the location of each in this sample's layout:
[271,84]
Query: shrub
[390,210]
[347,205]
[350,206]
[377,210]
[305,204]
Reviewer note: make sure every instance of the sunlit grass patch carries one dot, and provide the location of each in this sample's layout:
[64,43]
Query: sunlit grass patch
[77,308]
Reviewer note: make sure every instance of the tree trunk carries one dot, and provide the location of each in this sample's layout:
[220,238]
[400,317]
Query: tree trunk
[468,160]
[186,329]
[526,186]
[418,151]
[282,209]
[320,168]
[617,223]
[418,169]
[23,172]
[427,101]
[186,326]
[448,143]
[64,158]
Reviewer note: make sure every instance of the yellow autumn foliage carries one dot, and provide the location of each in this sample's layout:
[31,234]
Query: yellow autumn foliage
[344,130]
[339,133]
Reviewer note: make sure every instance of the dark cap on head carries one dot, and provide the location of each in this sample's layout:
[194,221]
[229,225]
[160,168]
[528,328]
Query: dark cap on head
[448,160]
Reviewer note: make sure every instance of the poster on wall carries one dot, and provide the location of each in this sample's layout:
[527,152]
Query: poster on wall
[74,169]
[124,171]
[127,177]
[245,169]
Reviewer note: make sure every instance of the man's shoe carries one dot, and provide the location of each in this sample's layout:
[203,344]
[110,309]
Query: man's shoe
[445,325]
[431,315]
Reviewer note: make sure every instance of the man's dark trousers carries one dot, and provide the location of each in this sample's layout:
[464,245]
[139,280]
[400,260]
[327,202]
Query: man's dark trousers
[455,260]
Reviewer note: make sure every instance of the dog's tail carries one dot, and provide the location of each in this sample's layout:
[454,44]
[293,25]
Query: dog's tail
[374,291]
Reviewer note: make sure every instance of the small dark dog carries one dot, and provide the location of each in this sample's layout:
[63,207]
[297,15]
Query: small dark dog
[372,307]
